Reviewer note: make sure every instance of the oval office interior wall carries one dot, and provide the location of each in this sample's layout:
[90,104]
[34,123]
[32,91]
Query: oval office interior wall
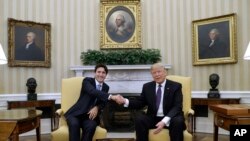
[166,25]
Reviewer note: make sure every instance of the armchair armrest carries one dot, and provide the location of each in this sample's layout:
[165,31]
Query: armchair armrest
[58,115]
[59,112]
[190,121]
[191,111]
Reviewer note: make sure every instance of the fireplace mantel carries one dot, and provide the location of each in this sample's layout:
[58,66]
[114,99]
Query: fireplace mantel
[121,78]
[79,70]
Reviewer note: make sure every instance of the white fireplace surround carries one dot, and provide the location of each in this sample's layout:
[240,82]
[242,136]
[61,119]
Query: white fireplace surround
[121,78]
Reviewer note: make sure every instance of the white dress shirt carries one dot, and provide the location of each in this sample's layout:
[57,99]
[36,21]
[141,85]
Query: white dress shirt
[160,113]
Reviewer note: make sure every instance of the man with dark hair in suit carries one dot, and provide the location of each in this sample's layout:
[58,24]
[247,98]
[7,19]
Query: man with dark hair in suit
[163,99]
[84,114]
[30,51]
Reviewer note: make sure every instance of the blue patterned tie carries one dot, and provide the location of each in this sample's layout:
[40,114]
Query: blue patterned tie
[158,96]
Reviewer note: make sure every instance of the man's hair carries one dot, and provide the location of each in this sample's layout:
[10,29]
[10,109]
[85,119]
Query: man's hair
[101,66]
[122,18]
[158,64]
[33,34]
[215,30]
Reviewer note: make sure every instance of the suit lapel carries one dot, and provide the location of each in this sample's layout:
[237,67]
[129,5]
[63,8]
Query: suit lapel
[152,94]
[166,93]
[93,82]
[104,87]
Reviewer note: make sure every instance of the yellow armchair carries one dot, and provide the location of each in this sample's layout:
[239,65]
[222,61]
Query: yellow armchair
[71,88]
[189,113]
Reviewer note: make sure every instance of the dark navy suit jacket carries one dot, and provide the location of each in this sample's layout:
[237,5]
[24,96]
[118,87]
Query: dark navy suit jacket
[87,100]
[172,99]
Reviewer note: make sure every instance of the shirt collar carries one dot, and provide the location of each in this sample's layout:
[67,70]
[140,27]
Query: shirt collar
[162,84]
[98,83]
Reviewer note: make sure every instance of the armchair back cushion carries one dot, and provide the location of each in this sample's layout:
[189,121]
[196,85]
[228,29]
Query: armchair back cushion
[186,91]
[70,92]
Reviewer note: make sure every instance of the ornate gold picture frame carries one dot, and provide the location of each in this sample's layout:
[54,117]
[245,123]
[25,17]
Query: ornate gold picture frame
[29,44]
[214,40]
[120,24]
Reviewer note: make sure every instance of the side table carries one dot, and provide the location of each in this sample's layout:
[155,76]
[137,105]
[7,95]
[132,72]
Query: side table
[35,103]
[226,115]
[18,121]
[212,101]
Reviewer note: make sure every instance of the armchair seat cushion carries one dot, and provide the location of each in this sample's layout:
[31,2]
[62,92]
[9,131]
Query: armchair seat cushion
[60,134]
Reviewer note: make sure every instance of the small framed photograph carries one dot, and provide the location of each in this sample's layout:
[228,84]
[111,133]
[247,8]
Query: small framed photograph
[214,40]
[29,44]
[120,24]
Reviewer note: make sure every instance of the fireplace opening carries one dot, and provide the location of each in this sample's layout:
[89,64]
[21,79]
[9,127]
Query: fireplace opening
[117,118]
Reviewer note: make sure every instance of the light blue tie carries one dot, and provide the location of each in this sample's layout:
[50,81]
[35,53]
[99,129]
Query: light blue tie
[98,87]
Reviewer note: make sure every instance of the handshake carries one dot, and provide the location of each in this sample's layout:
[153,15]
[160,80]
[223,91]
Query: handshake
[118,99]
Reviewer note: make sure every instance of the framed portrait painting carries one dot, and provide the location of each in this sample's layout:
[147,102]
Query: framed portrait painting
[214,40]
[120,24]
[29,44]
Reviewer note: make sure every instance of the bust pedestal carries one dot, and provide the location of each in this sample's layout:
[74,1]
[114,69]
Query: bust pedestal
[213,93]
[31,97]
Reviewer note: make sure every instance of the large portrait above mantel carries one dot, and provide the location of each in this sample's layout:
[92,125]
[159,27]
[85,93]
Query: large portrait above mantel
[120,24]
